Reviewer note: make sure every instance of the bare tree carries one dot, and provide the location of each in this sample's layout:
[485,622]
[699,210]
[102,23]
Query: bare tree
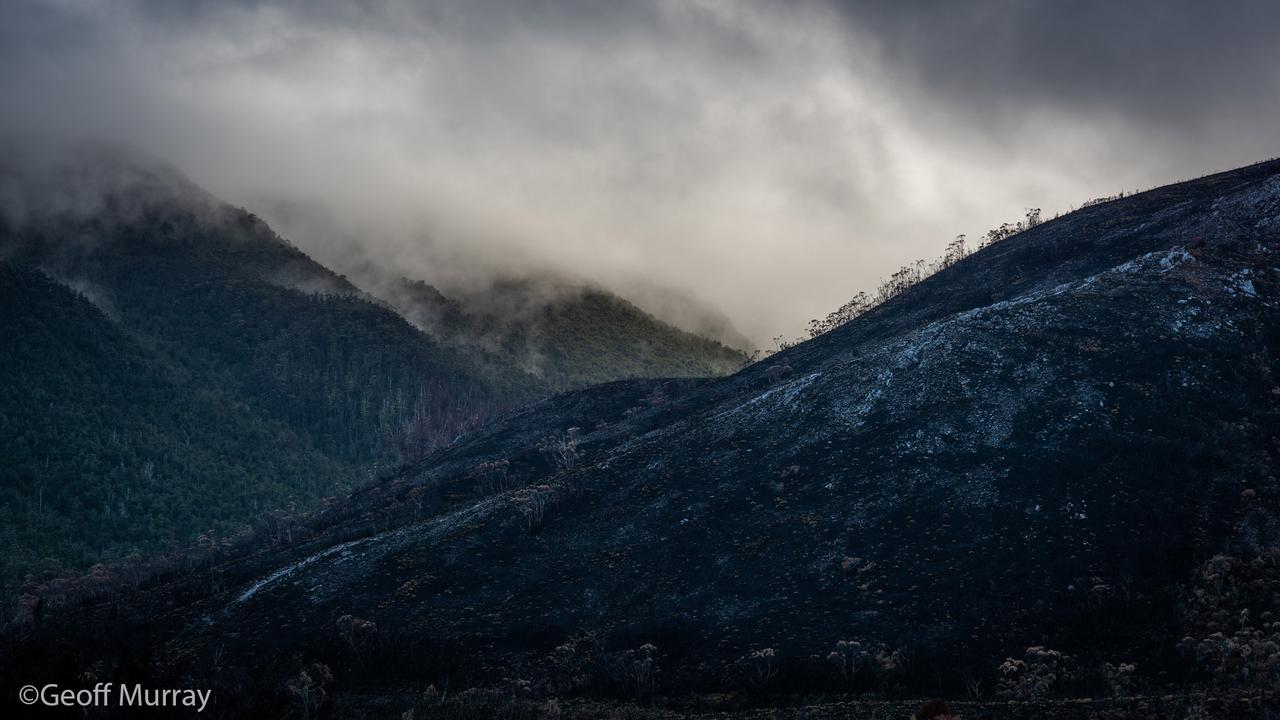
[760,666]
[532,502]
[357,632]
[493,477]
[955,252]
[308,688]
[562,450]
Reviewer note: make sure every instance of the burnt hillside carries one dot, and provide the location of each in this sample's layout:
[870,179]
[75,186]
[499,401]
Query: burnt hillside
[1040,446]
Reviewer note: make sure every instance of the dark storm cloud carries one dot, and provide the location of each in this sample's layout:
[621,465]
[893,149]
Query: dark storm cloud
[768,159]
[1185,69]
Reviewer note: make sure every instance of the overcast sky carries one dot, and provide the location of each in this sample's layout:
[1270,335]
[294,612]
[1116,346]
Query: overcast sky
[767,158]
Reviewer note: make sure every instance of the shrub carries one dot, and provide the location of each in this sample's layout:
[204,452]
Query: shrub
[759,667]
[1234,631]
[493,477]
[848,658]
[778,373]
[308,688]
[636,671]
[357,633]
[575,664]
[532,503]
[1033,678]
[561,450]
[1119,678]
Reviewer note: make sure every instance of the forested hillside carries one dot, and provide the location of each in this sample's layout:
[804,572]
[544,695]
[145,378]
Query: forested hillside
[173,367]
[206,373]
[111,450]
[567,335]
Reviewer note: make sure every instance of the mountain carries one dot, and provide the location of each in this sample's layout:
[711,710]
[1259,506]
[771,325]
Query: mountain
[1048,470]
[566,331]
[203,372]
[194,373]
[110,450]
[567,335]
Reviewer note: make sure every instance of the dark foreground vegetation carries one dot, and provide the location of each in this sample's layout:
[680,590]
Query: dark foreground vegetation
[1189,706]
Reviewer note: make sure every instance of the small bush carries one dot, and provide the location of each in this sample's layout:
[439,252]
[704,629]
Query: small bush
[1033,678]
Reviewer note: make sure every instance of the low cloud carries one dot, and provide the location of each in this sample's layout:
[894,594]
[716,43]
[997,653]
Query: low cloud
[766,160]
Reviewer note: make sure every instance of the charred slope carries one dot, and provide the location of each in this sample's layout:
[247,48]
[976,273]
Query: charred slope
[1034,447]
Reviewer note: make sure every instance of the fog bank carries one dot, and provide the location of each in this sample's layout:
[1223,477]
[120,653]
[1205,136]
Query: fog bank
[765,160]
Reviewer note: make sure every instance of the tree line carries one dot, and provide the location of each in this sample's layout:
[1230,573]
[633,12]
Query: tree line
[906,277]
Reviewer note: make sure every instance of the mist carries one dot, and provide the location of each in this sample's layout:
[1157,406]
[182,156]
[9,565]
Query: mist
[761,161]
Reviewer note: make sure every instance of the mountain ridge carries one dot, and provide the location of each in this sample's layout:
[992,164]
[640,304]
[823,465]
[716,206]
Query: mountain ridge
[1049,448]
[217,300]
